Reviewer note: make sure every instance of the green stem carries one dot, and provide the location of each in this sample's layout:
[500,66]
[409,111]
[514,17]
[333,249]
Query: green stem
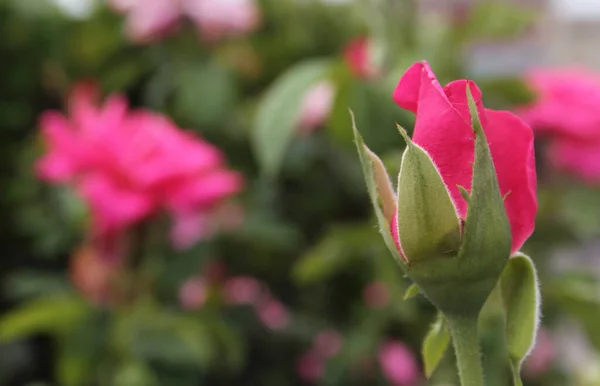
[516,372]
[466,344]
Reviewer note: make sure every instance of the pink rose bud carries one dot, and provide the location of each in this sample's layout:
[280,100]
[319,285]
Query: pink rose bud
[398,364]
[273,314]
[316,106]
[328,343]
[444,130]
[310,367]
[376,295]
[242,290]
[193,293]
[358,58]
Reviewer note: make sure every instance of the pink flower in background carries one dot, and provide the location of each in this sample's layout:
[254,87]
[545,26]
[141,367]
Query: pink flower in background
[130,164]
[316,106]
[193,293]
[358,58]
[217,19]
[94,275]
[273,314]
[542,356]
[567,105]
[310,367]
[242,290]
[148,20]
[328,343]
[577,157]
[376,295]
[398,364]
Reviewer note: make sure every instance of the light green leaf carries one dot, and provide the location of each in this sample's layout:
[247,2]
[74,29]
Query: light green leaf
[47,314]
[368,171]
[435,345]
[521,298]
[411,292]
[428,224]
[278,113]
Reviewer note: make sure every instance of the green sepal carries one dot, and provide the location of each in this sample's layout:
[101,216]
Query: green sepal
[521,300]
[366,161]
[459,286]
[435,345]
[411,292]
[428,224]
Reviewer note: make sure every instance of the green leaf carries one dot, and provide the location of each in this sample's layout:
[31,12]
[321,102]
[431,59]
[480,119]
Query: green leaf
[369,173]
[48,314]
[521,298]
[411,292]
[278,114]
[435,345]
[338,248]
[204,94]
[428,224]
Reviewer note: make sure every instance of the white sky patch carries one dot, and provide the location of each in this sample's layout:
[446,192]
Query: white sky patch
[79,9]
[577,9]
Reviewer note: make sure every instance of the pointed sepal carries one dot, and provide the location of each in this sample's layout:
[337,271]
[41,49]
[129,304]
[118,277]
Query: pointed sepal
[370,169]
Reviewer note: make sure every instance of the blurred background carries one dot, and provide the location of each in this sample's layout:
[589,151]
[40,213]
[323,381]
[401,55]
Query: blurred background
[182,202]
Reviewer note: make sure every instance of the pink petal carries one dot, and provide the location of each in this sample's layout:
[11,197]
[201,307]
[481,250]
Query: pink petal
[358,59]
[328,343]
[310,367]
[193,293]
[316,106]
[242,290]
[398,364]
[188,229]
[113,208]
[273,314]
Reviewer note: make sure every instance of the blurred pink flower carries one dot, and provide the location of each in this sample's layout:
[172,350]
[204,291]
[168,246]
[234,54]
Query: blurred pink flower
[222,18]
[376,295]
[242,290]
[94,275]
[567,111]
[568,102]
[578,157]
[273,314]
[316,106]
[128,165]
[328,343]
[358,58]
[193,293]
[310,367]
[148,20]
[542,356]
[398,364]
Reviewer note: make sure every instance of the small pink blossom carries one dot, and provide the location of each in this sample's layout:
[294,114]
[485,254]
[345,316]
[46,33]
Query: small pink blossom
[273,314]
[398,364]
[328,343]
[357,55]
[316,106]
[310,367]
[542,356]
[376,295]
[148,20]
[242,290]
[193,293]
[130,164]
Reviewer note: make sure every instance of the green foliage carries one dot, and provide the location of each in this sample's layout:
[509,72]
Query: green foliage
[278,114]
[435,344]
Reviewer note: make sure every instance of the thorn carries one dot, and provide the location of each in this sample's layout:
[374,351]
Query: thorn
[506,195]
